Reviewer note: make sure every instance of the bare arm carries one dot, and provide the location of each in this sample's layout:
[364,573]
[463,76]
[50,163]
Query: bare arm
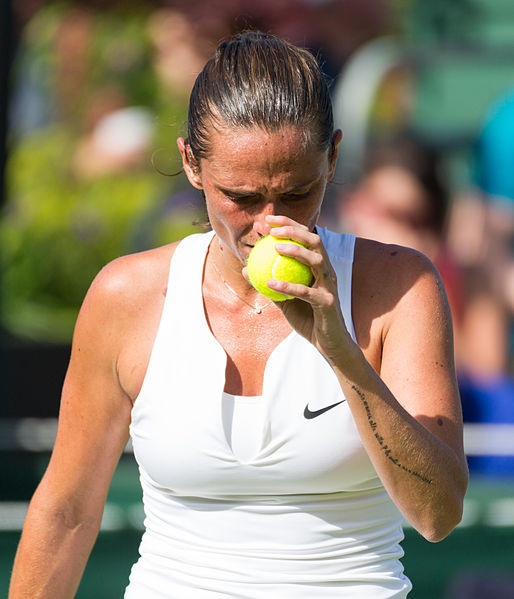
[65,513]
[409,417]
[406,406]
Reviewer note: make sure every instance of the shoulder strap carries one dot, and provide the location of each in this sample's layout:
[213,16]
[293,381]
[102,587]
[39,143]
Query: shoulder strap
[340,248]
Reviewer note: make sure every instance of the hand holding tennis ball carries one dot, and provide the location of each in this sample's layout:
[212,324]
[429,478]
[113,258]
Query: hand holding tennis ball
[265,263]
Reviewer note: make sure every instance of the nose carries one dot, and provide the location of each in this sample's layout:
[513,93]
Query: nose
[260,225]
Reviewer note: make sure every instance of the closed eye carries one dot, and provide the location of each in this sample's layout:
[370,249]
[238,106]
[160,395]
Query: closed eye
[296,196]
[288,197]
[241,199]
[253,198]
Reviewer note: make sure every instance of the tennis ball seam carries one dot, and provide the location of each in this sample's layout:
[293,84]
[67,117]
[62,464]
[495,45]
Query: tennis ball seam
[274,265]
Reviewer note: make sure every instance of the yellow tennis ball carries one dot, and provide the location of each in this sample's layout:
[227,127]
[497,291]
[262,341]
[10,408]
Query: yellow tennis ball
[265,263]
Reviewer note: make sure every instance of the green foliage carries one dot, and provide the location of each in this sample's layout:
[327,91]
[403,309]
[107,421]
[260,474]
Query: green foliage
[60,228]
[58,232]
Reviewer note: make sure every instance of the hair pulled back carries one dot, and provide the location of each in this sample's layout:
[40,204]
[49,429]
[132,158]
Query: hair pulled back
[258,79]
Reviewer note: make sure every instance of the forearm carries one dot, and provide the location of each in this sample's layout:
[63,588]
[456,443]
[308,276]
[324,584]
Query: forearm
[52,555]
[422,474]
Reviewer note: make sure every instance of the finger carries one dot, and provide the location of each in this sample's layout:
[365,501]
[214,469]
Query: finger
[317,259]
[278,220]
[297,233]
[313,259]
[314,296]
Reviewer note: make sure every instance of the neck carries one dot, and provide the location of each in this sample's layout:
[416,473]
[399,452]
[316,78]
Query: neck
[231,278]
[228,267]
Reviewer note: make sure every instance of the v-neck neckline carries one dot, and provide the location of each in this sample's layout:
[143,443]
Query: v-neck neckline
[207,329]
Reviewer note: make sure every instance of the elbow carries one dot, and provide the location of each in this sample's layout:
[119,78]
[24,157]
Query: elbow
[64,514]
[437,526]
[440,530]
[447,514]
[434,525]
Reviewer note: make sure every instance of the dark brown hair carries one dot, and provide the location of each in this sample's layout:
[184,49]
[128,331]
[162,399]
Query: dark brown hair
[258,79]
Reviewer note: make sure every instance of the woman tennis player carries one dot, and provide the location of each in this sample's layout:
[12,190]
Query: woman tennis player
[280,444]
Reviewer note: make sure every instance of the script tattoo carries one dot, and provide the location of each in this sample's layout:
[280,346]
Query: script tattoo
[380,440]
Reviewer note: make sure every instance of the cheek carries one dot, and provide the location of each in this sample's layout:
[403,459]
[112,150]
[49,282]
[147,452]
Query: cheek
[227,215]
[220,207]
[306,213]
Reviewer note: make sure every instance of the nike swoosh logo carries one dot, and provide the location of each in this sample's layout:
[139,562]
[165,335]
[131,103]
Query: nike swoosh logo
[308,414]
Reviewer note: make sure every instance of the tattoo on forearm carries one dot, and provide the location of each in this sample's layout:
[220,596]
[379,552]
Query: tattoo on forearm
[380,440]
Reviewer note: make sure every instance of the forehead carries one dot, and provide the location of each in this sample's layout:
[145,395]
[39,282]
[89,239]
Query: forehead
[242,152]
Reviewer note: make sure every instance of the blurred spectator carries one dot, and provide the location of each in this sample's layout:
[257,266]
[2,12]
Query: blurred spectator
[401,199]
[486,386]
[120,141]
[180,48]
[486,341]
[332,29]
[485,245]
[496,152]
[495,165]
[80,181]
[484,334]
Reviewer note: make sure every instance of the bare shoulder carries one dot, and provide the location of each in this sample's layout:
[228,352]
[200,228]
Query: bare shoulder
[119,317]
[394,286]
[127,281]
[384,275]
[125,295]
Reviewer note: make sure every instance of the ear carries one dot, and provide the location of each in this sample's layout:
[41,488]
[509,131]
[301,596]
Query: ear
[192,172]
[336,140]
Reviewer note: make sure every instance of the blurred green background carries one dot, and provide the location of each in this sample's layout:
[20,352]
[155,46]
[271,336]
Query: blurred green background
[98,94]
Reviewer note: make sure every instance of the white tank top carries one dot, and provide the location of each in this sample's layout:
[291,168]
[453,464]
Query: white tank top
[243,419]
[303,514]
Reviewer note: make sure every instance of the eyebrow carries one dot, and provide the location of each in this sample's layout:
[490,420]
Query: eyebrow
[243,194]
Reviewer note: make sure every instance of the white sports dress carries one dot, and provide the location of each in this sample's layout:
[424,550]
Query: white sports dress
[304,516]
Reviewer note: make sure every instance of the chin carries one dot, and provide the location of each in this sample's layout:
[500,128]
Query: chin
[244,253]
[239,250]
